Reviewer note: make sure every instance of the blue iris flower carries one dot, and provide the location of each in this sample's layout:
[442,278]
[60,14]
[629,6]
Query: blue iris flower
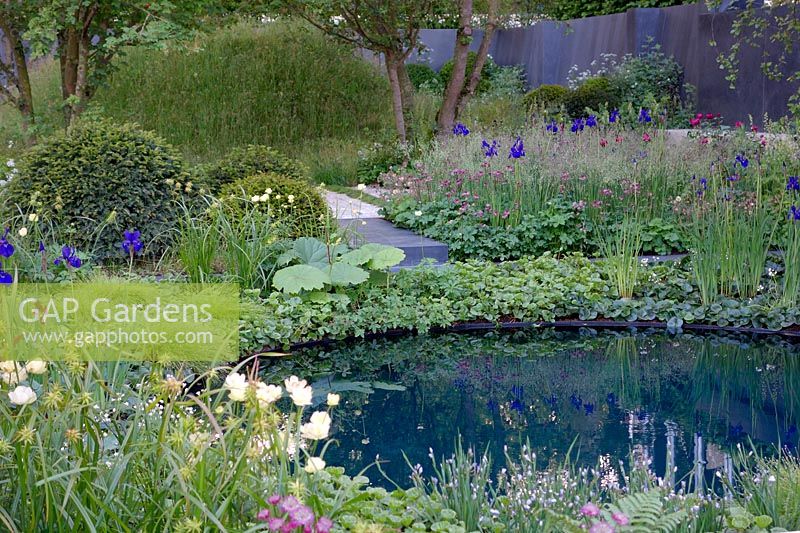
[644,116]
[517,149]
[793,184]
[68,257]
[552,126]
[742,160]
[517,406]
[575,401]
[577,125]
[591,121]
[5,278]
[41,247]
[588,408]
[6,248]
[704,185]
[794,213]
[132,244]
[460,129]
[489,150]
[614,115]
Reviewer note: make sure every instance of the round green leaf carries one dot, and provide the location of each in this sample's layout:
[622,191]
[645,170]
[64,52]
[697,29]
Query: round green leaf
[297,278]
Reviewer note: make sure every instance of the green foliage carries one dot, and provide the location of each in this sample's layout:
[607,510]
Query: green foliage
[484,85]
[287,199]
[282,84]
[646,513]
[593,94]
[548,97]
[324,267]
[99,180]
[246,161]
[423,77]
[651,74]
[592,8]
[377,159]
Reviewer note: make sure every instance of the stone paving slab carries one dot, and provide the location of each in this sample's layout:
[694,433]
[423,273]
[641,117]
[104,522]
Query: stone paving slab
[347,208]
[381,231]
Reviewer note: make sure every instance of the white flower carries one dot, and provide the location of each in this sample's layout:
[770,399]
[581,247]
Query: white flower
[23,232]
[22,395]
[314,465]
[417,213]
[293,382]
[255,199]
[361,187]
[290,198]
[33,217]
[8,366]
[264,198]
[318,427]
[236,384]
[10,163]
[14,377]
[322,185]
[36,367]
[333,399]
[302,397]
[267,394]
[268,191]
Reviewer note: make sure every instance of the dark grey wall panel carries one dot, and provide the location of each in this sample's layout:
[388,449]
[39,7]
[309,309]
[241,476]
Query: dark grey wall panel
[547,51]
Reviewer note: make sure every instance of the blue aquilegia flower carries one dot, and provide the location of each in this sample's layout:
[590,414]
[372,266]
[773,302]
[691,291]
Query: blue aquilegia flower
[552,127]
[644,116]
[460,129]
[6,248]
[132,245]
[742,160]
[591,121]
[794,213]
[68,257]
[793,184]
[577,125]
[703,186]
[613,116]
[489,150]
[517,149]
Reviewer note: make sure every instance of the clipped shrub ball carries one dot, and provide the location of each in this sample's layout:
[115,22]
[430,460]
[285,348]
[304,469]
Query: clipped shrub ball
[248,161]
[548,98]
[422,75]
[484,85]
[97,181]
[592,94]
[293,201]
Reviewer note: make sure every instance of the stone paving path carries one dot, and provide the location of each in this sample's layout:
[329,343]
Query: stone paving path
[367,225]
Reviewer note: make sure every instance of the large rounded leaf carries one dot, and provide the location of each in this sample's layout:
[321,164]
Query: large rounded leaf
[297,278]
[343,274]
[384,256]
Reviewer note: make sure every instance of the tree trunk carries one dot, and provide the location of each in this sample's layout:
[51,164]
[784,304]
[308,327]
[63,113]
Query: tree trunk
[17,74]
[482,55]
[407,92]
[68,60]
[446,116]
[392,63]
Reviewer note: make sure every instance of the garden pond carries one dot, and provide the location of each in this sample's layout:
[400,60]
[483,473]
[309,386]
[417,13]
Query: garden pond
[680,403]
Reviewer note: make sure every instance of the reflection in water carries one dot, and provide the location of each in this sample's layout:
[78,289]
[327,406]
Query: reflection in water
[675,403]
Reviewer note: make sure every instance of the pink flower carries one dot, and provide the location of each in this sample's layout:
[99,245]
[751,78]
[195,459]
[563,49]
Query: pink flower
[709,116]
[274,499]
[618,139]
[606,192]
[303,515]
[694,122]
[699,116]
[620,519]
[590,509]
[754,128]
[602,527]
[275,523]
[603,142]
[324,525]
[289,504]
[646,137]
[738,124]
[263,515]
[704,140]
[597,203]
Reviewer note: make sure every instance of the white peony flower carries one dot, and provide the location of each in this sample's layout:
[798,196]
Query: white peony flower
[12,378]
[333,399]
[267,394]
[314,465]
[8,366]
[23,232]
[36,367]
[318,427]
[302,397]
[236,385]
[22,395]
[361,187]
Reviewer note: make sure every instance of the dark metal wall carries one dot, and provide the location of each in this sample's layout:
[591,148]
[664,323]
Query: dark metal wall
[548,50]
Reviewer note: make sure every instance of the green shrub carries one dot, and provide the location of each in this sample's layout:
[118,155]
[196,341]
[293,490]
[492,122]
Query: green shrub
[547,97]
[423,77]
[293,201]
[97,181]
[247,161]
[484,86]
[593,94]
